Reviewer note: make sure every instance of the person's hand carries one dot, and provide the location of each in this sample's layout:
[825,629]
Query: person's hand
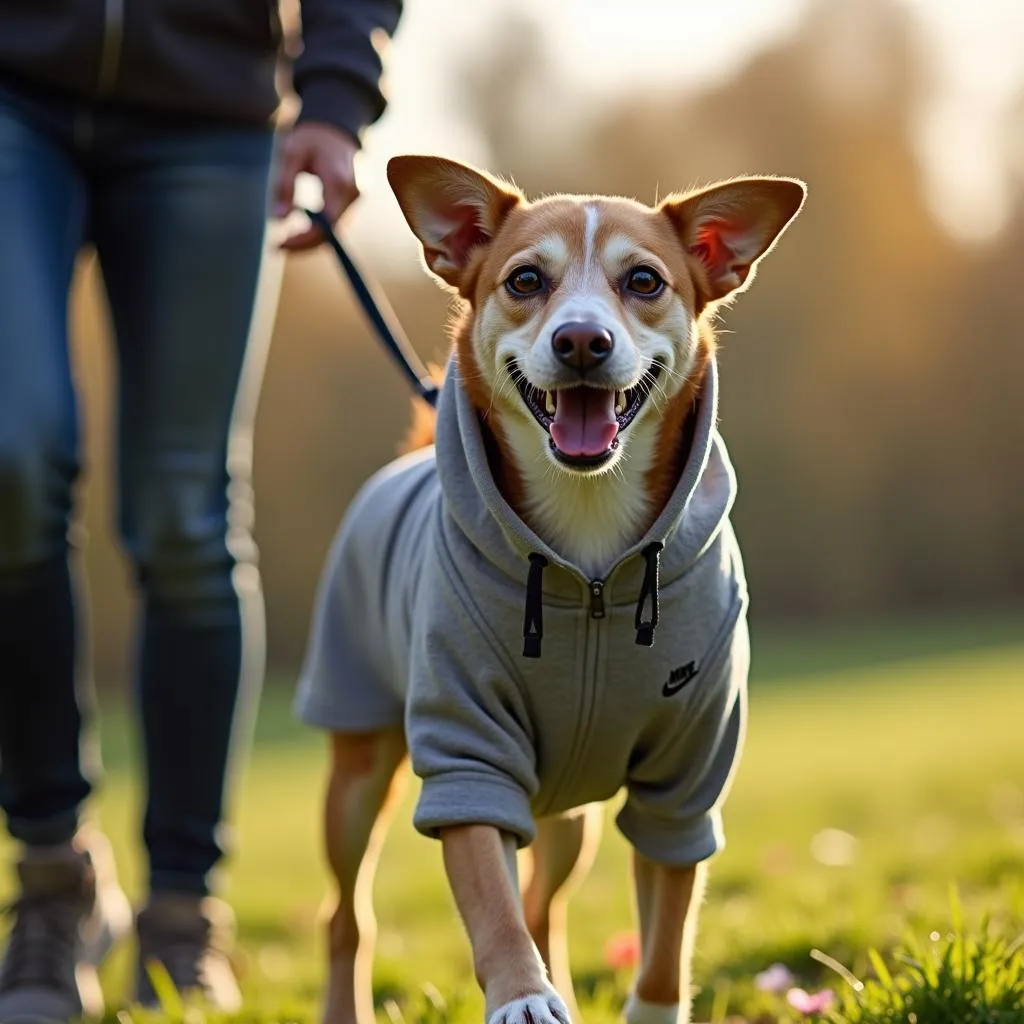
[329,154]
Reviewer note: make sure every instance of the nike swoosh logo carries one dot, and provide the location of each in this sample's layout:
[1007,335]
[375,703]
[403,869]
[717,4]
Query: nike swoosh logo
[670,689]
[680,677]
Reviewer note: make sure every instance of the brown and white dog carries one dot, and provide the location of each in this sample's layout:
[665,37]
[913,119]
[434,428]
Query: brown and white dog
[584,339]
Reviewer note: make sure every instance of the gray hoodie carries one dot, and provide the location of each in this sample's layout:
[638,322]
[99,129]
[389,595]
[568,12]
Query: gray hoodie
[526,688]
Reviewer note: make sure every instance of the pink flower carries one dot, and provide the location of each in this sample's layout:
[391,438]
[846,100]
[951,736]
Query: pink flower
[776,978]
[809,1003]
[622,950]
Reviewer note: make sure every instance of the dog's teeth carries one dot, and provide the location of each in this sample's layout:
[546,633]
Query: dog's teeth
[549,402]
[620,402]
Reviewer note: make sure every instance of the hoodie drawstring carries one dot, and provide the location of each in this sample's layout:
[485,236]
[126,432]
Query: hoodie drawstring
[533,620]
[649,589]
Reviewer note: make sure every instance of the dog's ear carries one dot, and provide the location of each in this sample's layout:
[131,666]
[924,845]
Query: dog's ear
[728,227]
[452,209]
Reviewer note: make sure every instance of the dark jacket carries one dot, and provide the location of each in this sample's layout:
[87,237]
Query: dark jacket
[211,59]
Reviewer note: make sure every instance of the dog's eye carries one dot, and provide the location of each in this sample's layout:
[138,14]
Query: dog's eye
[525,281]
[644,281]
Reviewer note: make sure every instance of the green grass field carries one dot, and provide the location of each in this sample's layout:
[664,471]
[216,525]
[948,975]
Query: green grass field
[909,739]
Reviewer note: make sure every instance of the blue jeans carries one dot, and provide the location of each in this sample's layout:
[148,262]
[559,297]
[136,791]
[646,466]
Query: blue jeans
[177,214]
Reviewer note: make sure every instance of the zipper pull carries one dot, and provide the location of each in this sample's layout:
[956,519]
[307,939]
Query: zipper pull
[596,599]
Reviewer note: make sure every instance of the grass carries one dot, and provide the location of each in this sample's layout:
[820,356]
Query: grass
[970,979]
[865,792]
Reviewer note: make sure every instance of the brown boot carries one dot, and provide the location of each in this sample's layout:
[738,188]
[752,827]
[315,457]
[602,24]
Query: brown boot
[191,937]
[69,913]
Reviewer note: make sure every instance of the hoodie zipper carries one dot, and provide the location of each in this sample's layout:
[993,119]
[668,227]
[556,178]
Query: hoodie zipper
[113,39]
[588,686]
[590,682]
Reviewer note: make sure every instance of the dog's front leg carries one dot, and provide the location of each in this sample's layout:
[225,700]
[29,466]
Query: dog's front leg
[668,900]
[480,862]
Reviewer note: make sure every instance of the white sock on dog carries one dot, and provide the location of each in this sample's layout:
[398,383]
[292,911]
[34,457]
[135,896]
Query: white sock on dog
[639,1012]
[535,1008]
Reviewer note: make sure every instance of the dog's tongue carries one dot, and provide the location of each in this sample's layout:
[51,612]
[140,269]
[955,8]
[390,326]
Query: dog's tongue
[585,422]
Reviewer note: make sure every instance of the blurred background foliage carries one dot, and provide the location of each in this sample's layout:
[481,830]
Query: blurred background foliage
[872,378]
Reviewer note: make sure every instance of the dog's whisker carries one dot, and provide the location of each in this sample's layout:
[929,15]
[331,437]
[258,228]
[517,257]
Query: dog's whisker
[669,371]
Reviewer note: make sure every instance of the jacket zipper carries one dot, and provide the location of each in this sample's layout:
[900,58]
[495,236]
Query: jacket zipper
[588,686]
[113,39]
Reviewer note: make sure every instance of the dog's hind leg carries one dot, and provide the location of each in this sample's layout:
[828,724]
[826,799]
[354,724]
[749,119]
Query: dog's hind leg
[562,854]
[668,900]
[356,812]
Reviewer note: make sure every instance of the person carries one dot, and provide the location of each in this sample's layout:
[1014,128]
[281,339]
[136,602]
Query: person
[146,130]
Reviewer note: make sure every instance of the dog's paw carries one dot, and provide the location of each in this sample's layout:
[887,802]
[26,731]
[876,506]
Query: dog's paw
[543,1008]
[636,1011]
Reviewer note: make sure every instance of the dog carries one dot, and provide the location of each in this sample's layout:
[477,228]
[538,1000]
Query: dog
[577,485]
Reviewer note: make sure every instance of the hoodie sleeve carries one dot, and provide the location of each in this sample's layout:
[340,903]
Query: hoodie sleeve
[337,74]
[672,814]
[469,732]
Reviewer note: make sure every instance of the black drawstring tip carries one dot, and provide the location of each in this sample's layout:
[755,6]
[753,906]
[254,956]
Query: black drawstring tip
[648,592]
[645,635]
[533,617]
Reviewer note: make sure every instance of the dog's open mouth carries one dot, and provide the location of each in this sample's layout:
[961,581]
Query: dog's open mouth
[583,422]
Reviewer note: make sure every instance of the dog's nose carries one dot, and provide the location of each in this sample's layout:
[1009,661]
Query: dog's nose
[582,344]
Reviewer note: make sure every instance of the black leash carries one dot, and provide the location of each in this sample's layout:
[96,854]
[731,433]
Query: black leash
[380,315]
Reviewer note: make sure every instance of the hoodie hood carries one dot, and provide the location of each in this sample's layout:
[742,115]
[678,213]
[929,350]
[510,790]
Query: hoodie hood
[683,531]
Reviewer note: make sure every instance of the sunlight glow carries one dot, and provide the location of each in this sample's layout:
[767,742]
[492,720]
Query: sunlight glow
[600,49]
